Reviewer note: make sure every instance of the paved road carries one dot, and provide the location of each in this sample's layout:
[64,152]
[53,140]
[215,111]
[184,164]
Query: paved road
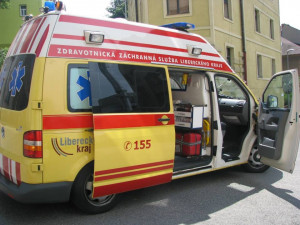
[229,196]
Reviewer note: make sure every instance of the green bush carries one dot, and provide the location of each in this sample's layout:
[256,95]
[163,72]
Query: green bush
[3,52]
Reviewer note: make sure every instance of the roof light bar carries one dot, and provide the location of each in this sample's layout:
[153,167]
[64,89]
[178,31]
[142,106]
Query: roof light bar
[183,26]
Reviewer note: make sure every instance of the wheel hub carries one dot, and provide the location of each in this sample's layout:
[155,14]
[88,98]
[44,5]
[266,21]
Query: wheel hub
[255,157]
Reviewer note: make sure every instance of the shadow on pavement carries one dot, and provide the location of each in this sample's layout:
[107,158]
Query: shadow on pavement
[185,201]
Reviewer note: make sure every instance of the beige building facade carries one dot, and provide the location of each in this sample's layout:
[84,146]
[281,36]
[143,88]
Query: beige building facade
[245,32]
[11,18]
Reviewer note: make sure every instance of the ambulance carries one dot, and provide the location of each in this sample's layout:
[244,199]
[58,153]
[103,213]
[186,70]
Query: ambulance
[92,108]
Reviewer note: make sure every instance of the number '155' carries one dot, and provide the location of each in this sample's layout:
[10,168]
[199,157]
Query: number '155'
[142,144]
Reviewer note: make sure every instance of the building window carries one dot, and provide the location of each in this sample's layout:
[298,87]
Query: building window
[259,66]
[257,20]
[178,7]
[273,67]
[227,9]
[23,10]
[230,55]
[272,29]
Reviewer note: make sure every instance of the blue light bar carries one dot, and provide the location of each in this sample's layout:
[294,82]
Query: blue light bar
[50,5]
[180,26]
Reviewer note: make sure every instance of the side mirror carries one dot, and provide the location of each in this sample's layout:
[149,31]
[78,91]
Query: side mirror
[272,101]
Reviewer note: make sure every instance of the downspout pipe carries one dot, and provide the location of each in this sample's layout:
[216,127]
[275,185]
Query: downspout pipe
[136,11]
[243,40]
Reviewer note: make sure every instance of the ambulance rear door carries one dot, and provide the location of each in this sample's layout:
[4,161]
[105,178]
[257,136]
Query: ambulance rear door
[134,132]
[278,121]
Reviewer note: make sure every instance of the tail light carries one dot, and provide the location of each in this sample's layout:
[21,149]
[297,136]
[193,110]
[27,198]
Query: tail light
[33,144]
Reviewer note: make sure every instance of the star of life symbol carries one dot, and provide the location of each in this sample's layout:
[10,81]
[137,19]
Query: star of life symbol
[16,82]
[85,92]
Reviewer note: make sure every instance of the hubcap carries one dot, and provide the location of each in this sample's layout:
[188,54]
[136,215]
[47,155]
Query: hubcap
[99,201]
[254,159]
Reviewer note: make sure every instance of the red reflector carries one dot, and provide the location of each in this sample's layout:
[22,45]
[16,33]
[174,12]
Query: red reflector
[32,144]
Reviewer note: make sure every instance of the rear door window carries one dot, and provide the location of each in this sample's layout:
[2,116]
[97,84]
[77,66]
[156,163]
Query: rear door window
[119,88]
[15,81]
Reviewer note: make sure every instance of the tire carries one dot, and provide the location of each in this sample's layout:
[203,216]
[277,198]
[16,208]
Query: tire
[81,194]
[254,165]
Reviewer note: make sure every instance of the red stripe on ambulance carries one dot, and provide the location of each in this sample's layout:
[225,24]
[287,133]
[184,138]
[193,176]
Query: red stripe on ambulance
[139,172]
[42,42]
[70,37]
[25,28]
[67,121]
[36,34]
[117,121]
[131,185]
[129,27]
[136,167]
[10,169]
[30,34]
[127,121]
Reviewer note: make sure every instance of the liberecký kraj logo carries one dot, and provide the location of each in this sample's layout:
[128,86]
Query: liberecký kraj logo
[81,144]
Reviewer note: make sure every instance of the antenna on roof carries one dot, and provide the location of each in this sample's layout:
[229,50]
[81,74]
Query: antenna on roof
[182,26]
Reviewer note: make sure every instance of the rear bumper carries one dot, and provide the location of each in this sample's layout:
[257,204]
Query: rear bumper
[37,193]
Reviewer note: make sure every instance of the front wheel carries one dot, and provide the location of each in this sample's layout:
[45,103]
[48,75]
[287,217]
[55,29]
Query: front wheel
[82,192]
[254,165]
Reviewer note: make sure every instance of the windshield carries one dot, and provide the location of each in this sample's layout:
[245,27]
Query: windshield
[15,80]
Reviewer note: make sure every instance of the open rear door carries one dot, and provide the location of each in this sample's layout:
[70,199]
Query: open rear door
[134,134]
[278,121]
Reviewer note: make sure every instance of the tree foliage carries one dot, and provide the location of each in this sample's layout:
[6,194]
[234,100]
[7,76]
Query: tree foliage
[117,9]
[4,4]
[3,53]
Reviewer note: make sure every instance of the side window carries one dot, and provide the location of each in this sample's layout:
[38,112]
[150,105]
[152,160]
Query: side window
[178,81]
[228,88]
[79,91]
[119,88]
[279,92]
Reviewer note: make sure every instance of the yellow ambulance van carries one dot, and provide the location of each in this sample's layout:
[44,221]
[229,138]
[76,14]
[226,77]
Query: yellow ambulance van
[91,108]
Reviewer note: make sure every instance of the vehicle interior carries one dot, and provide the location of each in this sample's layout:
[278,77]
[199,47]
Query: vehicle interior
[234,111]
[192,100]
[192,108]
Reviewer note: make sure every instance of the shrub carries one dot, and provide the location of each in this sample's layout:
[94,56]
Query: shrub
[3,52]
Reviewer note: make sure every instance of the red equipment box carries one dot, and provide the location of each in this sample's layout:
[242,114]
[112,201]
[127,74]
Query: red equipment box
[188,144]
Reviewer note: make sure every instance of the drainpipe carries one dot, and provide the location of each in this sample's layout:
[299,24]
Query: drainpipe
[243,40]
[136,11]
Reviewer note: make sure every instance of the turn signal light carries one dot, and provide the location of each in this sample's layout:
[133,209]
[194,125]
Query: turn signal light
[33,144]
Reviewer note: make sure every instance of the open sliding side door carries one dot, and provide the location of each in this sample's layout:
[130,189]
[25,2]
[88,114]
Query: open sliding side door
[133,127]
[278,121]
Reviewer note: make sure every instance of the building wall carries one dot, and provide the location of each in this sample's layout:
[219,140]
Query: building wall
[210,21]
[261,43]
[10,19]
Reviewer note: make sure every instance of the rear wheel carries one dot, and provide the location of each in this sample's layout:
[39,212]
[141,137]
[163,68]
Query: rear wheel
[254,165]
[82,194]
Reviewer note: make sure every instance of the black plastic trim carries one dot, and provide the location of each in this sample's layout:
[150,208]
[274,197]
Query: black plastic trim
[37,193]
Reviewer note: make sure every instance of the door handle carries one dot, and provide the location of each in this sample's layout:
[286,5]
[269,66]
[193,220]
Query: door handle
[164,119]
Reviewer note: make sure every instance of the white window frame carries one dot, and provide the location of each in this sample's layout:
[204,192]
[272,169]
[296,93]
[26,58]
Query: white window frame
[229,10]
[23,12]
[272,31]
[231,47]
[259,66]
[273,65]
[257,20]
